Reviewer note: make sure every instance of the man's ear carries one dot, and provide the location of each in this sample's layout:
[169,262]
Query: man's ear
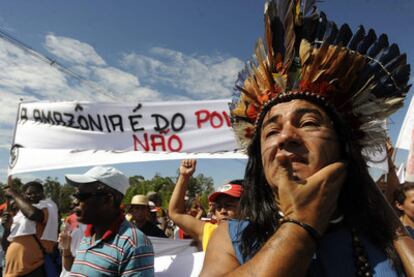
[399,206]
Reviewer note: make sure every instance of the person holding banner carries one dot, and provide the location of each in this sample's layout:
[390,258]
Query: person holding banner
[32,233]
[309,109]
[226,205]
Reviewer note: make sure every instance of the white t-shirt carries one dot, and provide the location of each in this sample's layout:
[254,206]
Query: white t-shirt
[22,226]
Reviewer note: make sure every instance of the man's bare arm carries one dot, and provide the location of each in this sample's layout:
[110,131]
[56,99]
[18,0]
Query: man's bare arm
[176,208]
[287,253]
[24,206]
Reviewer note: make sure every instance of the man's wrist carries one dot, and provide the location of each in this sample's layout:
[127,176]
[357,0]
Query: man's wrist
[300,234]
[185,175]
[308,228]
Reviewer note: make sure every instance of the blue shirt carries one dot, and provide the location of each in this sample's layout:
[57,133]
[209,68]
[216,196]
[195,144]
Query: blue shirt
[123,251]
[333,256]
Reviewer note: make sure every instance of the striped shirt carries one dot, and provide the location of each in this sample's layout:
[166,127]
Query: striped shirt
[123,252]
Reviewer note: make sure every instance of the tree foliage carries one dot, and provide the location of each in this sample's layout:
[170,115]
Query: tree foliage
[199,186]
[17,184]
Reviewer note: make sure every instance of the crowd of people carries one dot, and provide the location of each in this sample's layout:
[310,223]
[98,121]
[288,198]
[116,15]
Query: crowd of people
[100,237]
[308,109]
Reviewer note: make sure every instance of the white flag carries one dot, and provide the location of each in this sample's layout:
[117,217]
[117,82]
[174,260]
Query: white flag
[401,173]
[404,137]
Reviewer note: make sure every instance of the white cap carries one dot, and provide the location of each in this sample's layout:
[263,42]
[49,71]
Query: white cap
[109,176]
[152,206]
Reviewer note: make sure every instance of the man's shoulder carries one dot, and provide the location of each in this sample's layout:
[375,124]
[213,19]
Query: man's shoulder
[131,235]
[46,203]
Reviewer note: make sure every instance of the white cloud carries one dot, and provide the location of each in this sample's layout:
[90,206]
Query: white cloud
[143,76]
[201,77]
[126,84]
[72,50]
[5,137]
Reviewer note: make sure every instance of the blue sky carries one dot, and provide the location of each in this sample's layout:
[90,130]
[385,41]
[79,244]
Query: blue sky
[154,50]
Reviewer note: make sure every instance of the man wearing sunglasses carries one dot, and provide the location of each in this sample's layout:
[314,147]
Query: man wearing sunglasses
[112,246]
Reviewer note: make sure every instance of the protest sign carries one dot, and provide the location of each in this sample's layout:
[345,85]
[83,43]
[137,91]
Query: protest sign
[69,134]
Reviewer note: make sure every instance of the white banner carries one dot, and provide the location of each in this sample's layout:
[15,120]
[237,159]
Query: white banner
[176,257]
[179,265]
[72,134]
[404,137]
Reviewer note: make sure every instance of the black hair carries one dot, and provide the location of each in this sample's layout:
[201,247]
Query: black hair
[239,182]
[399,194]
[35,184]
[358,199]
[154,197]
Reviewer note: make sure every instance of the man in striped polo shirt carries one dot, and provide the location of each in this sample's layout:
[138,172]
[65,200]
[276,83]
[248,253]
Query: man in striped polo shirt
[112,246]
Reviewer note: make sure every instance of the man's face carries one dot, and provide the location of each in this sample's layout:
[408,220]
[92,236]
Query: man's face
[90,204]
[303,133]
[140,213]
[226,207]
[33,194]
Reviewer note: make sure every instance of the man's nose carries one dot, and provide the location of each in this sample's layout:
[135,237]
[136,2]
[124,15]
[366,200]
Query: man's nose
[288,137]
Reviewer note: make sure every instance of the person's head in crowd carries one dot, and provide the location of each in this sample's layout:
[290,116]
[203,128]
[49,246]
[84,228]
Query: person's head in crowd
[155,198]
[301,109]
[99,193]
[153,212]
[33,192]
[404,201]
[193,207]
[139,209]
[226,200]
[210,207]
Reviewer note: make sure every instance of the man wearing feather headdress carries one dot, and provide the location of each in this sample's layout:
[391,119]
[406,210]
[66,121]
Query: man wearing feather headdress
[309,109]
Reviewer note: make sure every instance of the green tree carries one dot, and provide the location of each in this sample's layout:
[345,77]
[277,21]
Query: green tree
[65,198]
[17,184]
[134,188]
[52,188]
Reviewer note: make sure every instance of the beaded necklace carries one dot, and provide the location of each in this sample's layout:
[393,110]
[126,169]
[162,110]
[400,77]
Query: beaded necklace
[363,268]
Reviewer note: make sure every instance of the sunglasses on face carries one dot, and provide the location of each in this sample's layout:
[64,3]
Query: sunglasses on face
[83,196]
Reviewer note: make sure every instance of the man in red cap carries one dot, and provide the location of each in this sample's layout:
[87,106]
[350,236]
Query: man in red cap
[226,205]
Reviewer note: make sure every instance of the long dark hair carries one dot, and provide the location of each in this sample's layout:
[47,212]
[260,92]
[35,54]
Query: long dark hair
[358,199]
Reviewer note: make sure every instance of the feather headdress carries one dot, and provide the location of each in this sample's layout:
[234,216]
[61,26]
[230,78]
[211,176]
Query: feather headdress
[357,75]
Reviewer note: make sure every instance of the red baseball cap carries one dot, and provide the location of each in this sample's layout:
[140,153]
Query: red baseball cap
[232,190]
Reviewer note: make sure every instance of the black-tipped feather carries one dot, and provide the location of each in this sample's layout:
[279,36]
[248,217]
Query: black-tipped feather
[331,32]
[366,42]
[344,35]
[320,31]
[357,38]
[380,44]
